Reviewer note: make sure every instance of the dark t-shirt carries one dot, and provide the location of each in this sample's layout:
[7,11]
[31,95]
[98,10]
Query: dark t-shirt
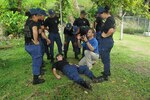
[81,22]
[30,24]
[60,65]
[99,22]
[68,32]
[52,23]
[109,23]
[40,23]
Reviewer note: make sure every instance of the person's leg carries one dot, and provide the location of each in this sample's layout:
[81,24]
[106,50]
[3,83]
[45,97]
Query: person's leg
[85,70]
[51,37]
[72,73]
[82,61]
[105,56]
[46,49]
[66,45]
[76,48]
[88,58]
[41,41]
[58,42]
[35,52]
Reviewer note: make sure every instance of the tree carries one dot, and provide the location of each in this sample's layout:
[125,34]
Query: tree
[137,7]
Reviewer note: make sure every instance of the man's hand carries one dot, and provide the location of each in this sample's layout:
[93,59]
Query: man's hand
[48,41]
[35,42]
[85,38]
[104,35]
[58,77]
[78,36]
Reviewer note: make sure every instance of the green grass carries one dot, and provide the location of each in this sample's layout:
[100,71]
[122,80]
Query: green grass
[130,79]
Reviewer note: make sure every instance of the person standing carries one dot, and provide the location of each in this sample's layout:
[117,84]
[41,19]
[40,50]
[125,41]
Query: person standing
[70,35]
[83,24]
[45,42]
[91,48]
[52,23]
[107,42]
[98,27]
[32,45]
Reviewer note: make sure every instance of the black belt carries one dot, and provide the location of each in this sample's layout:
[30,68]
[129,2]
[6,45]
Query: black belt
[31,43]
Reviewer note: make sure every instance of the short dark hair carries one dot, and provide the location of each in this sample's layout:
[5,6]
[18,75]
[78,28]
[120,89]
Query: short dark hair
[93,31]
[58,55]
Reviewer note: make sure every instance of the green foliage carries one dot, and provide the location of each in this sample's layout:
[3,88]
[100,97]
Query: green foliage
[134,6]
[12,22]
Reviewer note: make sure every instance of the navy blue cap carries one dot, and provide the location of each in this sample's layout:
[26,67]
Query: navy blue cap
[75,29]
[51,12]
[42,12]
[101,10]
[34,11]
[68,26]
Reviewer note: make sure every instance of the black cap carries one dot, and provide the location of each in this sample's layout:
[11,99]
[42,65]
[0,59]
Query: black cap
[75,30]
[68,26]
[101,10]
[34,11]
[83,12]
[51,12]
[42,12]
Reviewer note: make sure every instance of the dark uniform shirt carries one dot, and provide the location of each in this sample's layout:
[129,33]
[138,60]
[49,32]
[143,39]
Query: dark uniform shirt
[60,65]
[52,23]
[109,23]
[83,24]
[68,32]
[40,23]
[99,22]
[31,24]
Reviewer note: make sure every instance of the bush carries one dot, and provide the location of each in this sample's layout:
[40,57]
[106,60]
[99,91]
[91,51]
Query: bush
[13,23]
[133,31]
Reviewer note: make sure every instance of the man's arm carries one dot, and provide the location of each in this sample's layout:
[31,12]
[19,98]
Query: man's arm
[35,35]
[55,74]
[110,32]
[45,37]
[88,44]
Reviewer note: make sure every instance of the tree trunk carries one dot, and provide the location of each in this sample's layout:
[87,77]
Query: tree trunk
[121,32]
[19,5]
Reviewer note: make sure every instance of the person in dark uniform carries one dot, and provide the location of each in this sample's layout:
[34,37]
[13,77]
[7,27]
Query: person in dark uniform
[83,24]
[98,27]
[32,45]
[45,42]
[70,35]
[52,23]
[106,42]
[72,71]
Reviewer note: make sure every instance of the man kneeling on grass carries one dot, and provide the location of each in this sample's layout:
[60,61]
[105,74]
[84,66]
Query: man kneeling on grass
[72,71]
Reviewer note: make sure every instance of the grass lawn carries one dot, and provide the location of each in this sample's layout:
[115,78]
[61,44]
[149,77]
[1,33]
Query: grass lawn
[130,79]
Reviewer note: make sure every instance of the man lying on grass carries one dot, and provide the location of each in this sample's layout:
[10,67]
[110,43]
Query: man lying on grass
[72,71]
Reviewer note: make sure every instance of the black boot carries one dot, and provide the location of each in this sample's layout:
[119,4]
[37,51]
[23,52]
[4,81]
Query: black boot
[65,55]
[76,56]
[36,80]
[48,57]
[102,78]
[104,73]
[52,60]
[86,85]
